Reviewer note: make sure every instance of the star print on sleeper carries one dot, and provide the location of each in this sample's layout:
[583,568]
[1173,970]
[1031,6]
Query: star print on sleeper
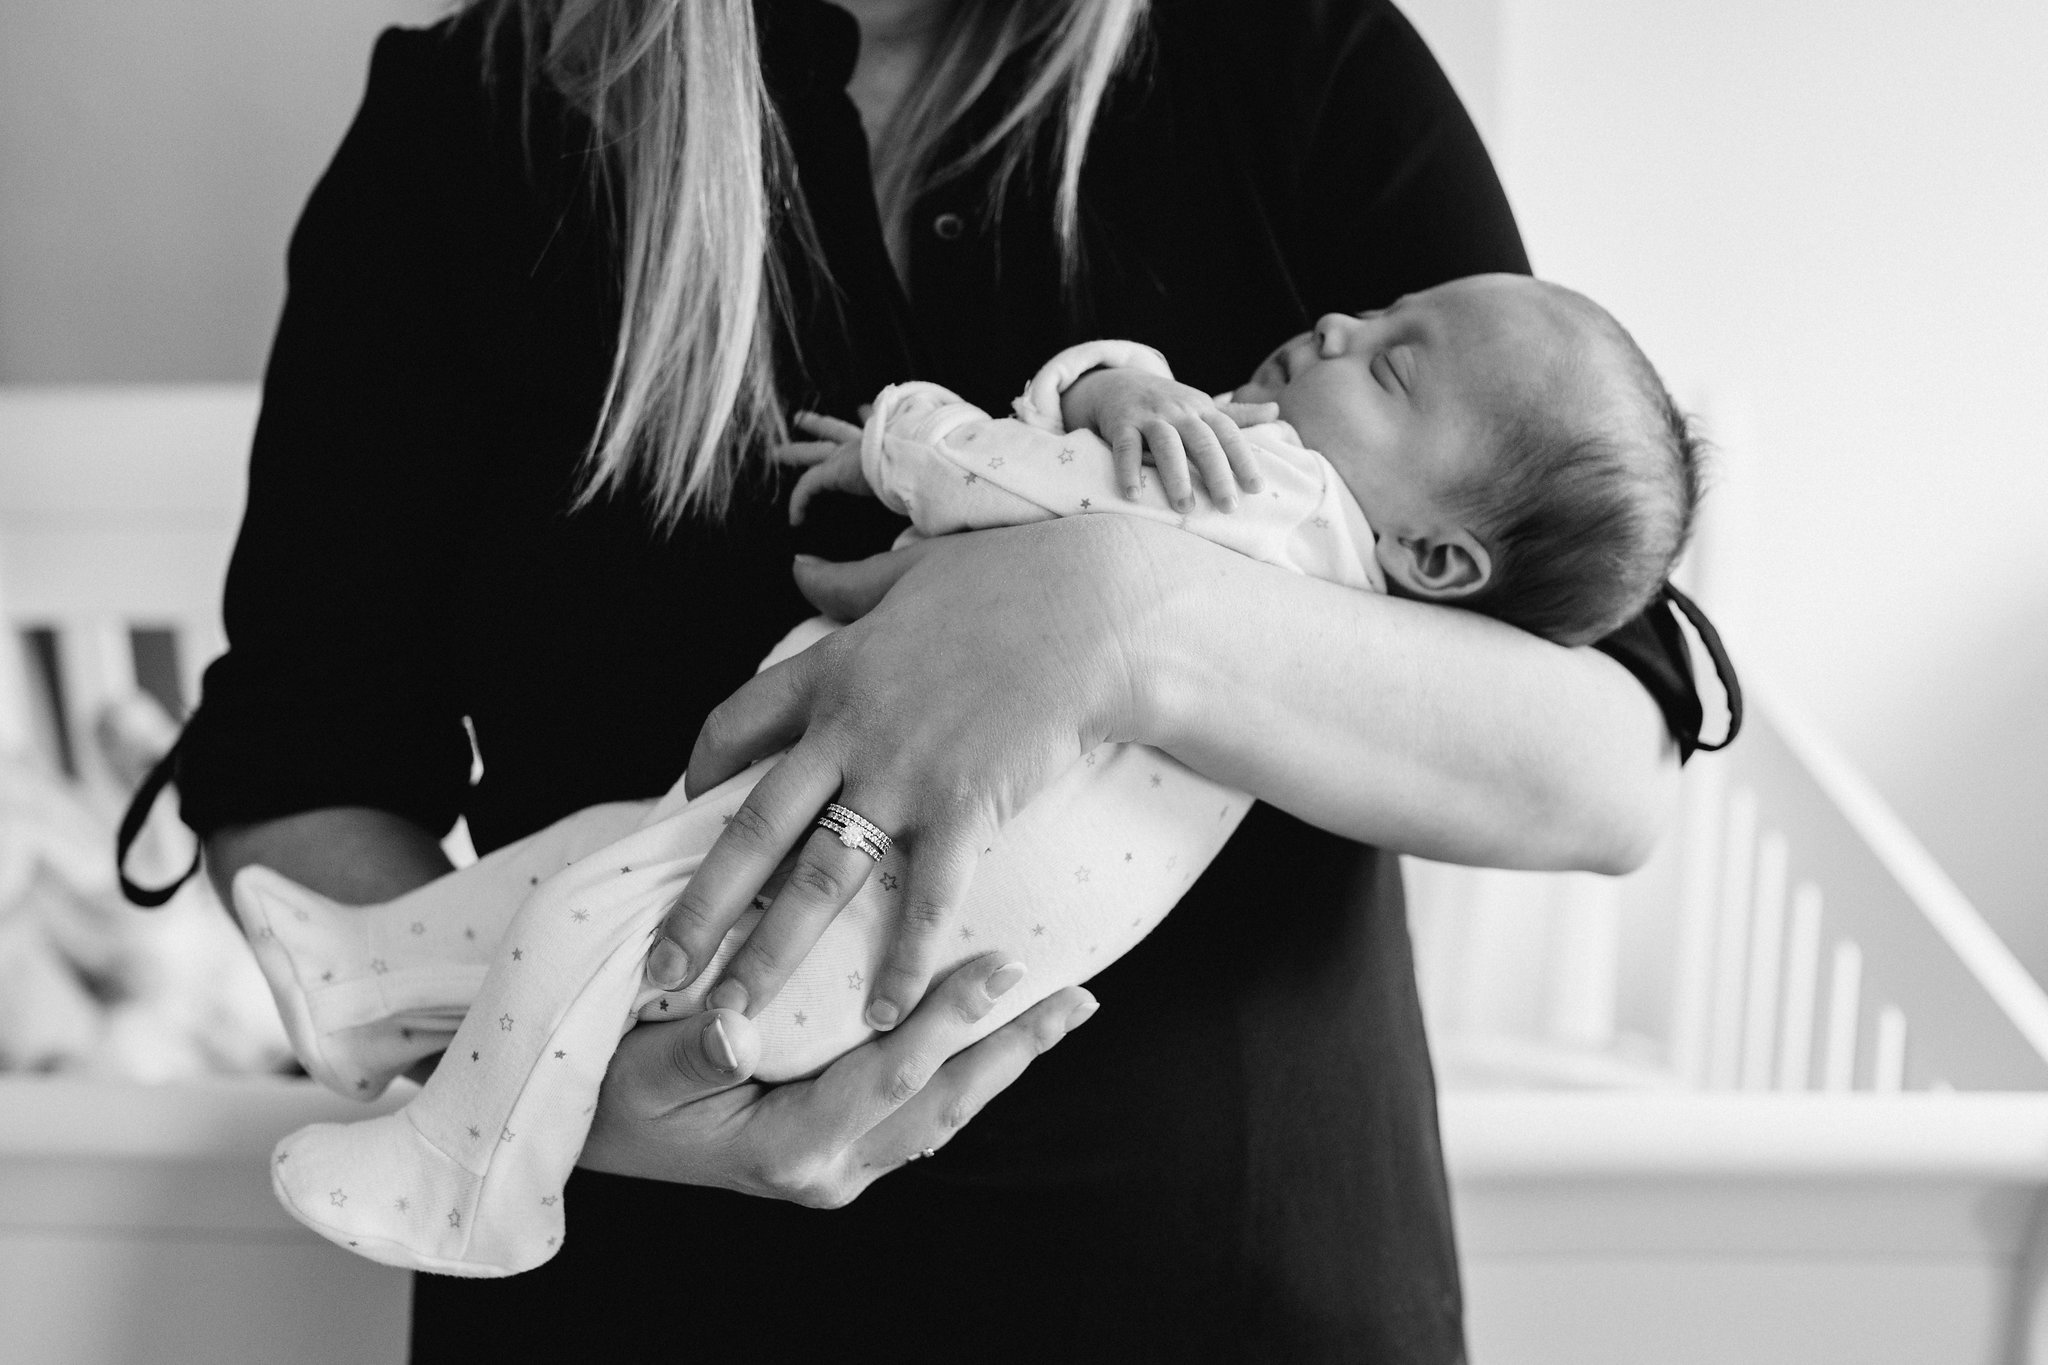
[367,991]
[488,1141]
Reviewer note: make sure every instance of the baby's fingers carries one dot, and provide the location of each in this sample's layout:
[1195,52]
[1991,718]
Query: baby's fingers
[1250,414]
[1244,461]
[1127,456]
[804,454]
[834,476]
[1171,460]
[834,429]
[1214,466]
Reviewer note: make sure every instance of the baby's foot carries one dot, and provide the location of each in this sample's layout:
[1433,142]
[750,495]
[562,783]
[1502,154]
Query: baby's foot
[467,1179]
[365,992]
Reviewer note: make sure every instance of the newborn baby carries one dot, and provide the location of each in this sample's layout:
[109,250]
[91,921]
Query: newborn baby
[1514,453]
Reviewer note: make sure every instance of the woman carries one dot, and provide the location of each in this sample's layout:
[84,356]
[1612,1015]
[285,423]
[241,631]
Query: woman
[1240,1161]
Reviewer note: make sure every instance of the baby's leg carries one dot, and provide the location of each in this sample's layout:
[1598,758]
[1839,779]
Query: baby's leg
[365,991]
[467,1178]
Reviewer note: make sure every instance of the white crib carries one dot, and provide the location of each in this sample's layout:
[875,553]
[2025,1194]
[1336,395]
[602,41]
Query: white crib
[1779,1097]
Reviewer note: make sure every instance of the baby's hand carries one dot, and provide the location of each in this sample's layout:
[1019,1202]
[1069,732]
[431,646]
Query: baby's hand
[1150,420]
[831,461]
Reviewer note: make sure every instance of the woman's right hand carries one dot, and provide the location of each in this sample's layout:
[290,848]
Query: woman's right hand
[677,1105]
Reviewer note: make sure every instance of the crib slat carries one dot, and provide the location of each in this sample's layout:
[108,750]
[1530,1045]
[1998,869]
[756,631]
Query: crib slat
[1767,936]
[1888,1055]
[1845,991]
[1802,988]
[1699,866]
[1732,938]
[1977,1018]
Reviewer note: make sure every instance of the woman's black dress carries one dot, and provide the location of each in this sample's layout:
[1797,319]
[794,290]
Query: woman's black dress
[1238,1159]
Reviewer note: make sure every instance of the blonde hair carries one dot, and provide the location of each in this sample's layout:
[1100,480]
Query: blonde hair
[674,93]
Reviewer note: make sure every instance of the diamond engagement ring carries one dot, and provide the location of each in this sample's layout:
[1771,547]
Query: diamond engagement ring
[855,830]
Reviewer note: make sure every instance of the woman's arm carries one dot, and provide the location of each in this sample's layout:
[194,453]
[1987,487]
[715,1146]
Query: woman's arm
[1415,727]
[1418,728]
[355,854]
[983,665]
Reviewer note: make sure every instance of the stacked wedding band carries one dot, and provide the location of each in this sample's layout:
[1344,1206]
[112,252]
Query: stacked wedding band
[855,831]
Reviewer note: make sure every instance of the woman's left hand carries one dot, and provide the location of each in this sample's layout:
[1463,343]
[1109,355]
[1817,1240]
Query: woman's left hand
[678,1105]
[940,714]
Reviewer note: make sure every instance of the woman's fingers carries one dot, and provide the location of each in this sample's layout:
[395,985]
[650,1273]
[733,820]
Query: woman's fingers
[1244,461]
[825,877]
[689,1059]
[849,591]
[1205,451]
[765,826]
[1172,462]
[935,882]
[967,1081]
[870,1083]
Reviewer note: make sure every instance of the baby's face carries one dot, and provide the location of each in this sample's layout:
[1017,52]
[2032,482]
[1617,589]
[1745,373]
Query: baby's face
[1400,400]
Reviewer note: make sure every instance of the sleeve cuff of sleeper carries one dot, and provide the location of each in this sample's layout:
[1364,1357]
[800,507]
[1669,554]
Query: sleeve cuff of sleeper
[1039,404]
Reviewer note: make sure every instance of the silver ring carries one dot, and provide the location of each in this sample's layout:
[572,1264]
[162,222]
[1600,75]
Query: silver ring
[929,1151]
[855,830]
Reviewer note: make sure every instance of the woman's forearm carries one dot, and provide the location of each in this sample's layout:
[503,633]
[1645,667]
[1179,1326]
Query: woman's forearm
[1415,727]
[354,854]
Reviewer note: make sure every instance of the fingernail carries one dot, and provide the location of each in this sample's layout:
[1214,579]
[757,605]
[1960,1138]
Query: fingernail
[883,1014]
[1004,979]
[1184,504]
[809,559]
[668,966]
[1227,502]
[1131,491]
[718,1047]
[1082,1013]
[728,995]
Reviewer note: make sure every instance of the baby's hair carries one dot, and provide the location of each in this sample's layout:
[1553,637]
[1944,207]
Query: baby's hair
[1585,519]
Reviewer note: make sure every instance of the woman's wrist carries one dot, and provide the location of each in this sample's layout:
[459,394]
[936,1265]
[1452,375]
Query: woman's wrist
[1166,630]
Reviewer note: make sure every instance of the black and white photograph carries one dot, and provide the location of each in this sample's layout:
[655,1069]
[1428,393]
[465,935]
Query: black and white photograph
[1023,682]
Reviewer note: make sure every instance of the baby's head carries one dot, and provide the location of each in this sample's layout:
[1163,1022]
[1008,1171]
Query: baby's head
[1513,449]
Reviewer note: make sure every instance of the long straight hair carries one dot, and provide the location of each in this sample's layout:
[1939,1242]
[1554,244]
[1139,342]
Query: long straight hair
[675,97]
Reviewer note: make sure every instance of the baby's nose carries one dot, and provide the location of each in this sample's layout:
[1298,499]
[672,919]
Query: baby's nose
[1332,332]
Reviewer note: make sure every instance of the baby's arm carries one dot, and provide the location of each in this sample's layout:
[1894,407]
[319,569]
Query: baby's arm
[1122,391]
[949,466]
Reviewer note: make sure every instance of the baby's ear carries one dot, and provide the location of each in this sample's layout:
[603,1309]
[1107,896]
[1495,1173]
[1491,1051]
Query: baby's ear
[1441,566]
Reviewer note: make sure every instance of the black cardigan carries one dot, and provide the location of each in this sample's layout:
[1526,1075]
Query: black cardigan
[1238,1159]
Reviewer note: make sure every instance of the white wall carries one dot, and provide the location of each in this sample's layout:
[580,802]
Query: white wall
[153,156]
[1828,223]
